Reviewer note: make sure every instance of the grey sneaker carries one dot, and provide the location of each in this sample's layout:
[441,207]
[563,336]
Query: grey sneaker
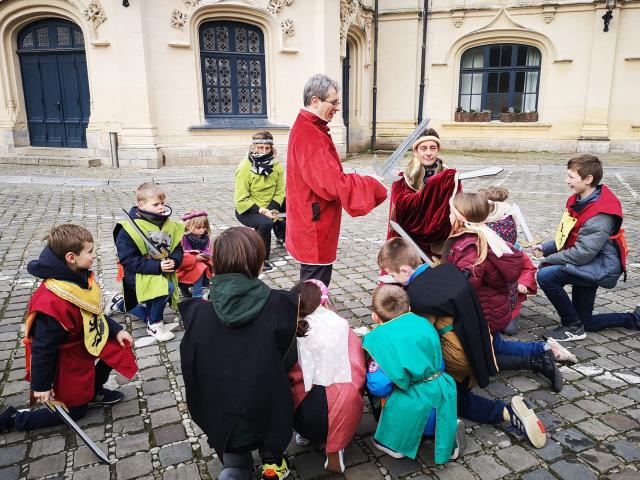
[566,333]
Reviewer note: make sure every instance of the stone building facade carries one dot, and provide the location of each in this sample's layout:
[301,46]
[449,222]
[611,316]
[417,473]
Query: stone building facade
[184,82]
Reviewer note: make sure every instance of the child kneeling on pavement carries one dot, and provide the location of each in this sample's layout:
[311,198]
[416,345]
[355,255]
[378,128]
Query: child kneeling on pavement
[66,332]
[406,369]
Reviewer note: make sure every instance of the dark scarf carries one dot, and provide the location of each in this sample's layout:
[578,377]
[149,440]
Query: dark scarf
[432,170]
[198,242]
[157,220]
[262,164]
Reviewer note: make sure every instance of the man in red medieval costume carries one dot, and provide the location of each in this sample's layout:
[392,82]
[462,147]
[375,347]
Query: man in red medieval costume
[317,187]
[420,199]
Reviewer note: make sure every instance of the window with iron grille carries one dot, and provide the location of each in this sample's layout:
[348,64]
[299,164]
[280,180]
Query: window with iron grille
[233,70]
[501,78]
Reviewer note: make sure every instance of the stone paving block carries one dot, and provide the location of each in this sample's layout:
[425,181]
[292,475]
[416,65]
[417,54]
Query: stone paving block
[169,434]
[571,412]
[46,446]
[132,444]
[207,451]
[550,451]
[571,393]
[572,470]
[399,467]
[310,465]
[156,386]
[524,384]
[12,454]
[601,461]
[574,439]
[618,422]
[539,474]
[47,466]
[83,456]
[184,472]
[594,407]
[453,471]
[160,401]
[94,416]
[366,471]
[490,436]
[125,409]
[134,466]
[487,468]
[544,398]
[625,474]
[517,458]
[354,455]
[128,425]
[10,473]
[551,422]
[92,473]
[627,450]
[367,425]
[172,454]
[596,429]
[163,417]
[214,467]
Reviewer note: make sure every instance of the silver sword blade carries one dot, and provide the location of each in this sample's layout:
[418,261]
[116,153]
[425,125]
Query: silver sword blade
[385,169]
[59,410]
[401,231]
[523,224]
[152,248]
[482,172]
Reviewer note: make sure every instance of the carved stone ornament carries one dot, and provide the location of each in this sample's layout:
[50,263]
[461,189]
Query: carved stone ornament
[548,12]
[458,18]
[349,10]
[95,14]
[287,27]
[191,3]
[178,19]
[275,6]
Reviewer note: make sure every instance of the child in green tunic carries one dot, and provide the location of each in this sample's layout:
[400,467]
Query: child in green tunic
[405,349]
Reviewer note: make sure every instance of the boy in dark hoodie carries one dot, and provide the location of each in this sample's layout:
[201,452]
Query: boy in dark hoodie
[150,283]
[66,332]
[589,251]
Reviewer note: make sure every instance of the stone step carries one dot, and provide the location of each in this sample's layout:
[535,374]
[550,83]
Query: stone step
[54,152]
[13,159]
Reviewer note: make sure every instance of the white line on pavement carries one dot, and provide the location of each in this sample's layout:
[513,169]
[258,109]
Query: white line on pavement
[626,185]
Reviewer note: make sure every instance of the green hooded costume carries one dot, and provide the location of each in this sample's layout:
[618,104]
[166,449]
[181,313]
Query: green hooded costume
[408,350]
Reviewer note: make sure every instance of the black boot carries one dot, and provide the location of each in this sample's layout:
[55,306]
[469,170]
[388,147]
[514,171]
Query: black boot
[542,363]
[7,418]
[545,364]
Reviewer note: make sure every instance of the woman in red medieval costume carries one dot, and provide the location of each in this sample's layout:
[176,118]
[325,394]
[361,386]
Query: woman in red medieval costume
[328,377]
[420,199]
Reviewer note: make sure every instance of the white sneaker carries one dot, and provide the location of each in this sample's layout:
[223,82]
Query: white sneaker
[115,304]
[387,450]
[560,353]
[460,442]
[159,332]
[335,462]
[300,440]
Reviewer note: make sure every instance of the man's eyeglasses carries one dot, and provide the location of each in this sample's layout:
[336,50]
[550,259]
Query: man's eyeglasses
[335,103]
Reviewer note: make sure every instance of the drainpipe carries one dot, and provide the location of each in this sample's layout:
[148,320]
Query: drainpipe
[425,13]
[113,142]
[374,109]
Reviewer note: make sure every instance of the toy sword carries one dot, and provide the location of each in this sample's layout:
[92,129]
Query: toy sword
[523,224]
[482,172]
[401,231]
[386,168]
[155,253]
[60,409]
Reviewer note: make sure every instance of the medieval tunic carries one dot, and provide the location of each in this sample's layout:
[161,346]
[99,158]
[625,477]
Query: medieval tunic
[232,356]
[343,399]
[76,356]
[407,348]
[318,189]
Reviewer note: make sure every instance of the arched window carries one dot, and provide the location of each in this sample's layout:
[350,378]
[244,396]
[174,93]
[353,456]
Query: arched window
[233,70]
[501,78]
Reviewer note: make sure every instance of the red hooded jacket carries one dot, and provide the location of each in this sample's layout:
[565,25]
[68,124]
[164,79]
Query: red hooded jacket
[318,190]
[490,278]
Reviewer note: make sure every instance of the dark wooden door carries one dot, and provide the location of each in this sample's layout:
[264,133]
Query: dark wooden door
[55,82]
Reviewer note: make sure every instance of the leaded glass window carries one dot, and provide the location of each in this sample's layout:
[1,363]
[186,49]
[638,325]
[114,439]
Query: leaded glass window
[501,78]
[233,70]
[50,34]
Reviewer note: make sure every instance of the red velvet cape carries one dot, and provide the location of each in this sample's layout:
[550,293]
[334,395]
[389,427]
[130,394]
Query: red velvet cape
[425,214]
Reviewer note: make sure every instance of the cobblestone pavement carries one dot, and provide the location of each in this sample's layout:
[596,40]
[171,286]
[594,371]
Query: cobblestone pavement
[593,424]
